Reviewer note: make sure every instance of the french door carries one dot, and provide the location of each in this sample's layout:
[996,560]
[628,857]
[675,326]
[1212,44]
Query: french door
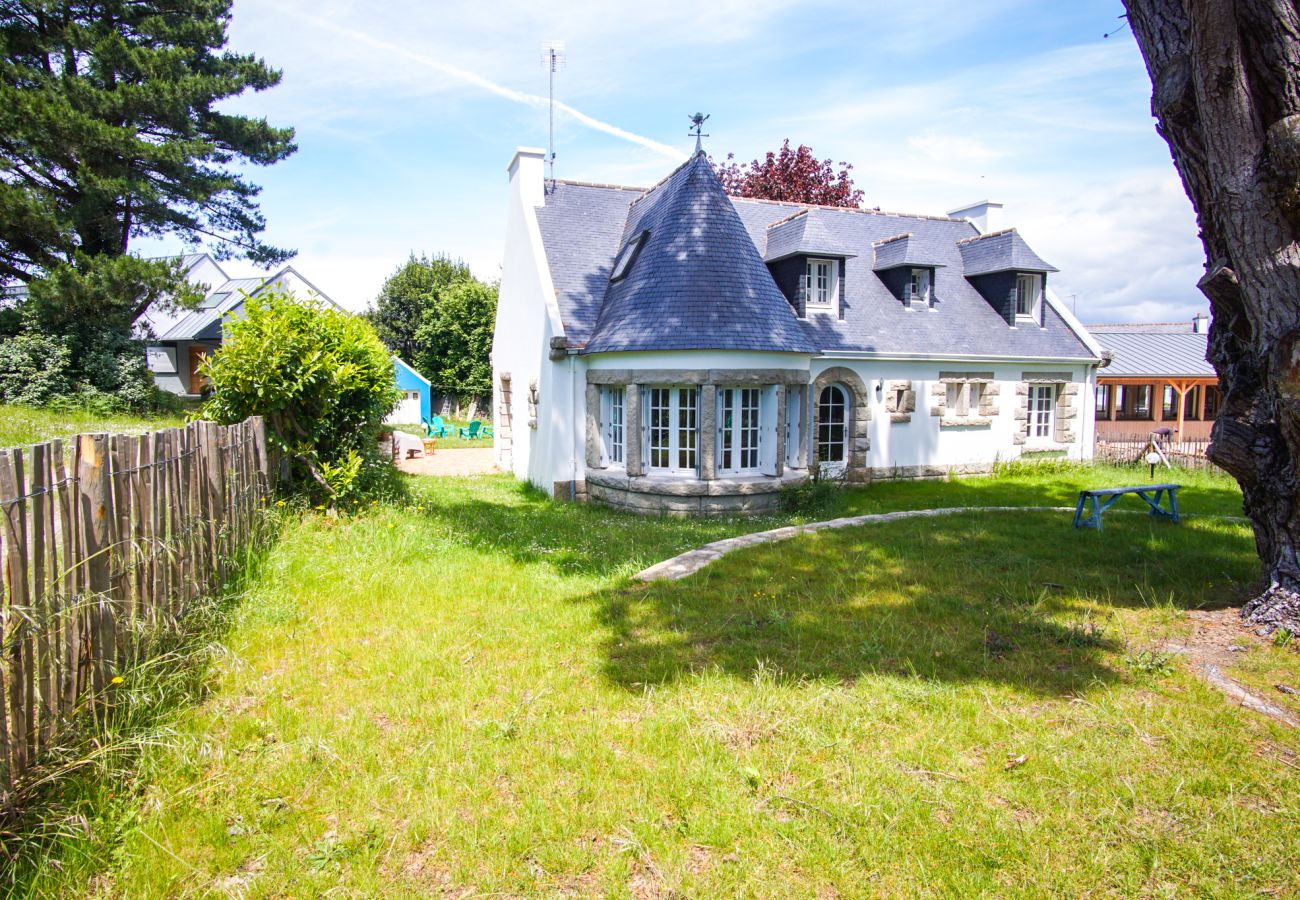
[738,430]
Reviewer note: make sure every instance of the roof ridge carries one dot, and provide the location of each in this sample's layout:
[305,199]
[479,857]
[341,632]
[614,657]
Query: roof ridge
[597,184]
[789,218]
[849,209]
[980,237]
[889,240]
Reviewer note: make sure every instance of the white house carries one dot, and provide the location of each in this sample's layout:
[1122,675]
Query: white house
[674,349]
[180,339]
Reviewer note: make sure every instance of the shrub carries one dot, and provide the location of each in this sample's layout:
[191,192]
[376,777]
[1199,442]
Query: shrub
[322,379]
[813,496]
[34,369]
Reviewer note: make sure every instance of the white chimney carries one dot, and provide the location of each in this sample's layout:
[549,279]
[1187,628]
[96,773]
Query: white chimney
[527,175]
[983,214]
[1201,323]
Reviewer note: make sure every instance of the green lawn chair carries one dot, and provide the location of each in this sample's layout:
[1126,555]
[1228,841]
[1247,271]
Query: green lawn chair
[470,433]
[439,428]
[486,432]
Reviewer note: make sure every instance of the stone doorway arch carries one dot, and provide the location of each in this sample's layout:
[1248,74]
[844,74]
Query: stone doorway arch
[858,415]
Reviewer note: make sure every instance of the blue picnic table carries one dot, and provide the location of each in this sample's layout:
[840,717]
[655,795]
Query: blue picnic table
[1103,499]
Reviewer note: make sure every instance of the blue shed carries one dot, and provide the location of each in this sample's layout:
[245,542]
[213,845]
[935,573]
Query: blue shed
[416,405]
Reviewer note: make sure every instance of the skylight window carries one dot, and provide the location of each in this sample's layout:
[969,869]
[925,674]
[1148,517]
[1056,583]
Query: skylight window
[627,256]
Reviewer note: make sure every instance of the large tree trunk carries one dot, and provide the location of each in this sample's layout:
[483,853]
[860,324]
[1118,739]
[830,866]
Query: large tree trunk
[1226,78]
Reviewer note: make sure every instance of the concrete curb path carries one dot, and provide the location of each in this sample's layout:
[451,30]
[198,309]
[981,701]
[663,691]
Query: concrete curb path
[692,561]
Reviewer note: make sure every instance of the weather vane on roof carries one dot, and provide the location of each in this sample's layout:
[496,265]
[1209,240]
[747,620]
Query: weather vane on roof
[697,123]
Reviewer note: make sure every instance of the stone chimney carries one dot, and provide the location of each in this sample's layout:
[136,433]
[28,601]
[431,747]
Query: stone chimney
[1201,323]
[983,214]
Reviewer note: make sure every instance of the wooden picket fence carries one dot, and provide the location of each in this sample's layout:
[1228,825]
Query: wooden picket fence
[1189,454]
[106,538]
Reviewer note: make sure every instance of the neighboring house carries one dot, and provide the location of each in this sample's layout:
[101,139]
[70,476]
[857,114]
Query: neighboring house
[416,405]
[1158,378]
[181,338]
[675,349]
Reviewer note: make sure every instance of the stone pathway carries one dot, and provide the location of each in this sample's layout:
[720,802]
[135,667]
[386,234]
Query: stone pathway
[692,561]
[470,461]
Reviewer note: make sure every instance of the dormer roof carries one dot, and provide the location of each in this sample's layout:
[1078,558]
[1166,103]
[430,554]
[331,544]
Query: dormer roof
[904,250]
[1000,251]
[804,233]
[697,281]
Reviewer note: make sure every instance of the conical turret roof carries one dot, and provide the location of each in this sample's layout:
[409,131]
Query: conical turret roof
[689,277]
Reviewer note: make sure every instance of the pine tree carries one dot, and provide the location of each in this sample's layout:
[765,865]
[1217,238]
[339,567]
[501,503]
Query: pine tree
[108,132]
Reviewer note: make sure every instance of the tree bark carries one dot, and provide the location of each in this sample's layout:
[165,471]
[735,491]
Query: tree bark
[1226,97]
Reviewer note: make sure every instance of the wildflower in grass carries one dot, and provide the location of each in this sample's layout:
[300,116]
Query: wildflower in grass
[118,679]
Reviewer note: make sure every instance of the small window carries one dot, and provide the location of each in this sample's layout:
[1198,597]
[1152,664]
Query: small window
[1102,403]
[627,256]
[821,284]
[1028,292]
[1042,399]
[1213,399]
[918,288]
[1133,402]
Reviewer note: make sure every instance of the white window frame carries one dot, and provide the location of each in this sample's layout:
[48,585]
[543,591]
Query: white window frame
[1041,424]
[793,425]
[822,425]
[919,287]
[740,430]
[613,427]
[1029,285]
[681,441]
[821,280]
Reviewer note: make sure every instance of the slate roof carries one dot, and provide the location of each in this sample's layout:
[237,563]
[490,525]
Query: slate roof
[1000,251]
[698,282]
[901,250]
[803,234]
[1162,353]
[727,302]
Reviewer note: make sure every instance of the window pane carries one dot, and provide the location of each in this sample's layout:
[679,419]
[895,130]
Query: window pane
[831,416]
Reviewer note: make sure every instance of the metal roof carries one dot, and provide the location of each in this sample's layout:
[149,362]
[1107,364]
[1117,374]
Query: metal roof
[1140,354]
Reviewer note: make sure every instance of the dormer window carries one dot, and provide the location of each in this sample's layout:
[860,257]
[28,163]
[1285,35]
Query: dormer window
[627,256]
[918,287]
[1029,295]
[822,285]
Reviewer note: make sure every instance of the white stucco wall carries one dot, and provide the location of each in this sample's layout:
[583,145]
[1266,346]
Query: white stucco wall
[527,319]
[923,442]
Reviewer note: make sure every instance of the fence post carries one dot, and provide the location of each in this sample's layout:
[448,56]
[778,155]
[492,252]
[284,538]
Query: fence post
[95,497]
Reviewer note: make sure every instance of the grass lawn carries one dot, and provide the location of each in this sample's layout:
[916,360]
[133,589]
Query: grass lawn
[450,443]
[468,695]
[21,425]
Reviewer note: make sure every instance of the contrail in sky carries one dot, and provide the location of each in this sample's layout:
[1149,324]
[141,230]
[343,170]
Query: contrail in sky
[488,85]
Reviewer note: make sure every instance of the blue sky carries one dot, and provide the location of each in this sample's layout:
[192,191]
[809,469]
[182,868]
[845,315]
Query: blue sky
[408,114]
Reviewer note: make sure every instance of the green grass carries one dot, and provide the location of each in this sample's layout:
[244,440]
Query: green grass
[21,425]
[468,694]
[450,443]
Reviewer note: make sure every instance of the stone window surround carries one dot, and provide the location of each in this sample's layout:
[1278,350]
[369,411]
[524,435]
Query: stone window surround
[708,381]
[504,419]
[859,413]
[962,417]
[1064,416]
[900,401]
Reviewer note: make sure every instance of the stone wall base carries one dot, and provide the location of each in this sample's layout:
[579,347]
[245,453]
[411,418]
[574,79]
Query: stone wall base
[575,492]
[905,473]
[690,497]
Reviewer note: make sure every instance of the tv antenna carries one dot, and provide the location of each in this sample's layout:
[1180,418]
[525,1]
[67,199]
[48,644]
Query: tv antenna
[553,60]
[697,125]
